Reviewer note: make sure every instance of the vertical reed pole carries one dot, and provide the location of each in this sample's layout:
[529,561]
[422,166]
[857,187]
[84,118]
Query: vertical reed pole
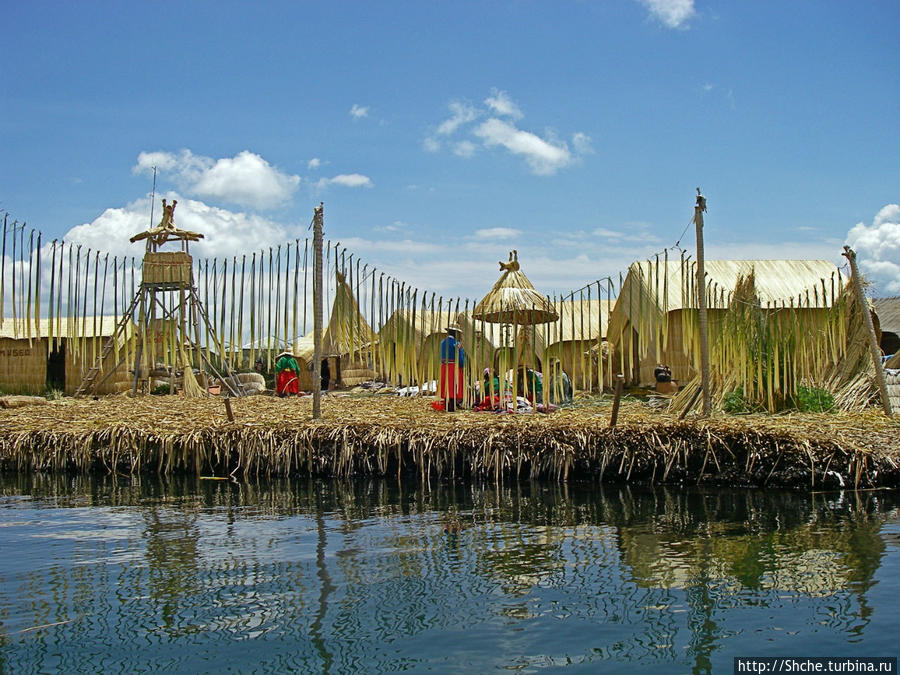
[699,209]
[3,273]
[30,270]
[620,383]
[317,311]
[850,254]
[52,300]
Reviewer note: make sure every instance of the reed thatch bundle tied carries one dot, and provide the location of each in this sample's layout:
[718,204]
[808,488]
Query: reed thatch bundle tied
[513,299]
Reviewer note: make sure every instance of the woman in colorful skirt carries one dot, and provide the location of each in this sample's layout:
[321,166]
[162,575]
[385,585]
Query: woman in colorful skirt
[287,381]
[453,360]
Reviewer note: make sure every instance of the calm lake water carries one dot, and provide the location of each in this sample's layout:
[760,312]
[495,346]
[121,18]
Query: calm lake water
[195,576]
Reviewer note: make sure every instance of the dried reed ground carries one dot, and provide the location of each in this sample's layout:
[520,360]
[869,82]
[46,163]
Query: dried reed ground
[390,435]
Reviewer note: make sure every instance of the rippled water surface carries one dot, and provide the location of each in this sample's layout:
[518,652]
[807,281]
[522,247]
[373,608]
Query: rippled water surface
[200,576]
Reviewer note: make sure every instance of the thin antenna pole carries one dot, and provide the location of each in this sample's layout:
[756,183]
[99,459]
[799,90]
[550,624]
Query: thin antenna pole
[152,198]
[701,304]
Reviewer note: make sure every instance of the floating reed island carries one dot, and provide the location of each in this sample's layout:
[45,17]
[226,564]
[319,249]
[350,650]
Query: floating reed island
[391,436]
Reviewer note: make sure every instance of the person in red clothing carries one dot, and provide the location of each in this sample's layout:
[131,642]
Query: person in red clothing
[453,360]
[287,381]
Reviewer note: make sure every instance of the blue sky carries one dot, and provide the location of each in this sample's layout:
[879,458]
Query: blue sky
[442,135]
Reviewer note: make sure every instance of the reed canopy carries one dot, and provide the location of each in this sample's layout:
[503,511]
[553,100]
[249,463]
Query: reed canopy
[514,300]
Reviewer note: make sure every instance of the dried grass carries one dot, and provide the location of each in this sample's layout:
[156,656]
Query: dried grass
[382,435]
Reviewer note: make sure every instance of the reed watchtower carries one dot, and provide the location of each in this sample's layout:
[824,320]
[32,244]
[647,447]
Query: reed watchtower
[167,311]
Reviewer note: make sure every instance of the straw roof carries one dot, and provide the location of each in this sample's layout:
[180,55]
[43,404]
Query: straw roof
[584,320]
[417,325]
[62,328]
[347,328]
[667,286]
[513,299]
[402,325]
[888,311]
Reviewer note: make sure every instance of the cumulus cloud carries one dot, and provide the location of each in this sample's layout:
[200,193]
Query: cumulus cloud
[246,179]
[352,180]
[359,111]
[878,249]
[544,157]
[497,233]
[671,13]
[545,154]
[464,149]
[226,233]
[314,164]
[461,113]
[501,104]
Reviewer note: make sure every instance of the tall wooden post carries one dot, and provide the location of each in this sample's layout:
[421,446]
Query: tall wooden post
[850,254]
[699,209]
[317,311]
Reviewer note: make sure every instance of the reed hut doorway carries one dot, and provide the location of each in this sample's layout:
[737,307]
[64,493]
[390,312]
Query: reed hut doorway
[56,367]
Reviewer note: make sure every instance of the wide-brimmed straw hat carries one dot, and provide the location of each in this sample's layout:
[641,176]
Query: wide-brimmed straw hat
[453,328]
[286,352]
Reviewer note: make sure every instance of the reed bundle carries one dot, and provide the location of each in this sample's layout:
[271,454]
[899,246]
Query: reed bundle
[381,435]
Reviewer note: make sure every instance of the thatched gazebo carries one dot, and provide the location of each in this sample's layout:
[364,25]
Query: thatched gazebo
[514,301]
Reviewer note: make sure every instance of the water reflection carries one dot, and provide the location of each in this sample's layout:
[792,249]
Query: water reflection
[379,576]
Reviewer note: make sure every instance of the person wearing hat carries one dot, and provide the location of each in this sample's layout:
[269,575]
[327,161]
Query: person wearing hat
[287,381]
[453,360]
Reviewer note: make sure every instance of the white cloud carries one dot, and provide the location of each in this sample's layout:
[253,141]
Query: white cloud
[246,179]
[431,145]
[314,164]
[542,156]
[582,143]
[878,249]
[396,226]
[462,113]
[464,149]
[671,13]
[352,180]
[359,111]
[501,104]
[497,233]
[637,232]
[226,233]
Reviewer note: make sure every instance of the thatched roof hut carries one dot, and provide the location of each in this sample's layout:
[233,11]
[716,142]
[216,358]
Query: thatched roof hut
[655,312]
[888,313]
[346,341]
[409,342]
[577,338]
[30,364]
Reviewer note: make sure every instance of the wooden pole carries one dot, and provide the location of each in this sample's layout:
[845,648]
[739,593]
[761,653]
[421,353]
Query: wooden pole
[699,209]
[317,311]
[620,383]
[850,254]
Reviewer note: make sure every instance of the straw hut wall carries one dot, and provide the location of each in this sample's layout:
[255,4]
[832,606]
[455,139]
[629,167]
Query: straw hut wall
[655,316]
[32,366]
[577,340]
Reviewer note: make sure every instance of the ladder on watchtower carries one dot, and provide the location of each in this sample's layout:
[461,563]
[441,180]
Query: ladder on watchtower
[89,381]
